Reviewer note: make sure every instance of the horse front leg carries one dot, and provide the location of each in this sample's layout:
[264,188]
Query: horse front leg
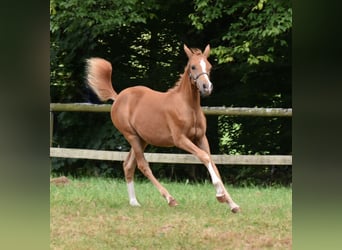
[202,151]
[129,166]
[222,194]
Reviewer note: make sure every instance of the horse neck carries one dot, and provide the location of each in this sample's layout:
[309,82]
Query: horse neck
[189,91]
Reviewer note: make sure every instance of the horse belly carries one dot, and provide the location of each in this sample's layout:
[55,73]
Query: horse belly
[154,131]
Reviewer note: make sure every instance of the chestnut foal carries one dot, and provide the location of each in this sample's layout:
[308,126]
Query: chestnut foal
[172,118]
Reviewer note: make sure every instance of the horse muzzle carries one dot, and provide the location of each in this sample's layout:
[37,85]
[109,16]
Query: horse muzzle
[205,88]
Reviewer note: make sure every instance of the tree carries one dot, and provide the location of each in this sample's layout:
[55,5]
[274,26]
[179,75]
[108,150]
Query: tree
[253,33]
[80,29]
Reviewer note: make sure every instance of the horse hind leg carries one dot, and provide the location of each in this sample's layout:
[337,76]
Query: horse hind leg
[129,166]
[138,146]
[146,170]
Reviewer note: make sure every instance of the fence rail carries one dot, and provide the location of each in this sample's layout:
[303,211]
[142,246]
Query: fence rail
[232,111]
[171,158]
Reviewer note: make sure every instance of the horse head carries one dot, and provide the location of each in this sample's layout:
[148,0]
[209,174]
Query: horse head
[199,69]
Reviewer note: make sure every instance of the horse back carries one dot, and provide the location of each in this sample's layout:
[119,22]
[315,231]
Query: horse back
[157,117]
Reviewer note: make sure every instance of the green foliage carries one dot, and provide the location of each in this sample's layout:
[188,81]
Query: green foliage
[81,28]
[80,21]
[252,32]
[92,131]
[262,136]
[255,136]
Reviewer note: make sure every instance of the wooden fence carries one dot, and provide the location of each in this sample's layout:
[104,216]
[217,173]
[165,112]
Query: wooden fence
[171,158]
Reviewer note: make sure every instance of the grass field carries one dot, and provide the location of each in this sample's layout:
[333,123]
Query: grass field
[94,213]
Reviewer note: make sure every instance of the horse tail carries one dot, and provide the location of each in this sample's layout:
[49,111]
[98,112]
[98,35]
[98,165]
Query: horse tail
[98,77]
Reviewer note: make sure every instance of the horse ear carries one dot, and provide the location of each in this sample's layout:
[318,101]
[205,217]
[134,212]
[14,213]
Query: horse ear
[206,52]
[188,52]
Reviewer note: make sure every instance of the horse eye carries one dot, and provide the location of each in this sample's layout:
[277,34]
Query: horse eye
[193,67]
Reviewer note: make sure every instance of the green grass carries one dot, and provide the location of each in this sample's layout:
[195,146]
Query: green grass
[94,213]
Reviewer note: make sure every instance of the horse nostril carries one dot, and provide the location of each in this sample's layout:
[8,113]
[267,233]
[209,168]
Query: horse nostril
[205,86]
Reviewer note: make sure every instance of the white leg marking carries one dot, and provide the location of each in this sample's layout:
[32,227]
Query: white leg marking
[131,194]
[168,199]
[216,181]
[219,188]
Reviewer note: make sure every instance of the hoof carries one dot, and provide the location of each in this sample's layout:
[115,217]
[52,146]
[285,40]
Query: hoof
[134,203]
[173,202]
[235,209]
[221,198]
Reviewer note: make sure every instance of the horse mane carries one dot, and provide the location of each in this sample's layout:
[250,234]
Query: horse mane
[195,51]
[178,83]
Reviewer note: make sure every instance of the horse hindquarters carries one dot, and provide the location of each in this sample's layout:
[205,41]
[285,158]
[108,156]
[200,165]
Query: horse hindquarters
[123,115]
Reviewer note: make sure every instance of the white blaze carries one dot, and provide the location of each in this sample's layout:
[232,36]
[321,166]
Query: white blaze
[204,70]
